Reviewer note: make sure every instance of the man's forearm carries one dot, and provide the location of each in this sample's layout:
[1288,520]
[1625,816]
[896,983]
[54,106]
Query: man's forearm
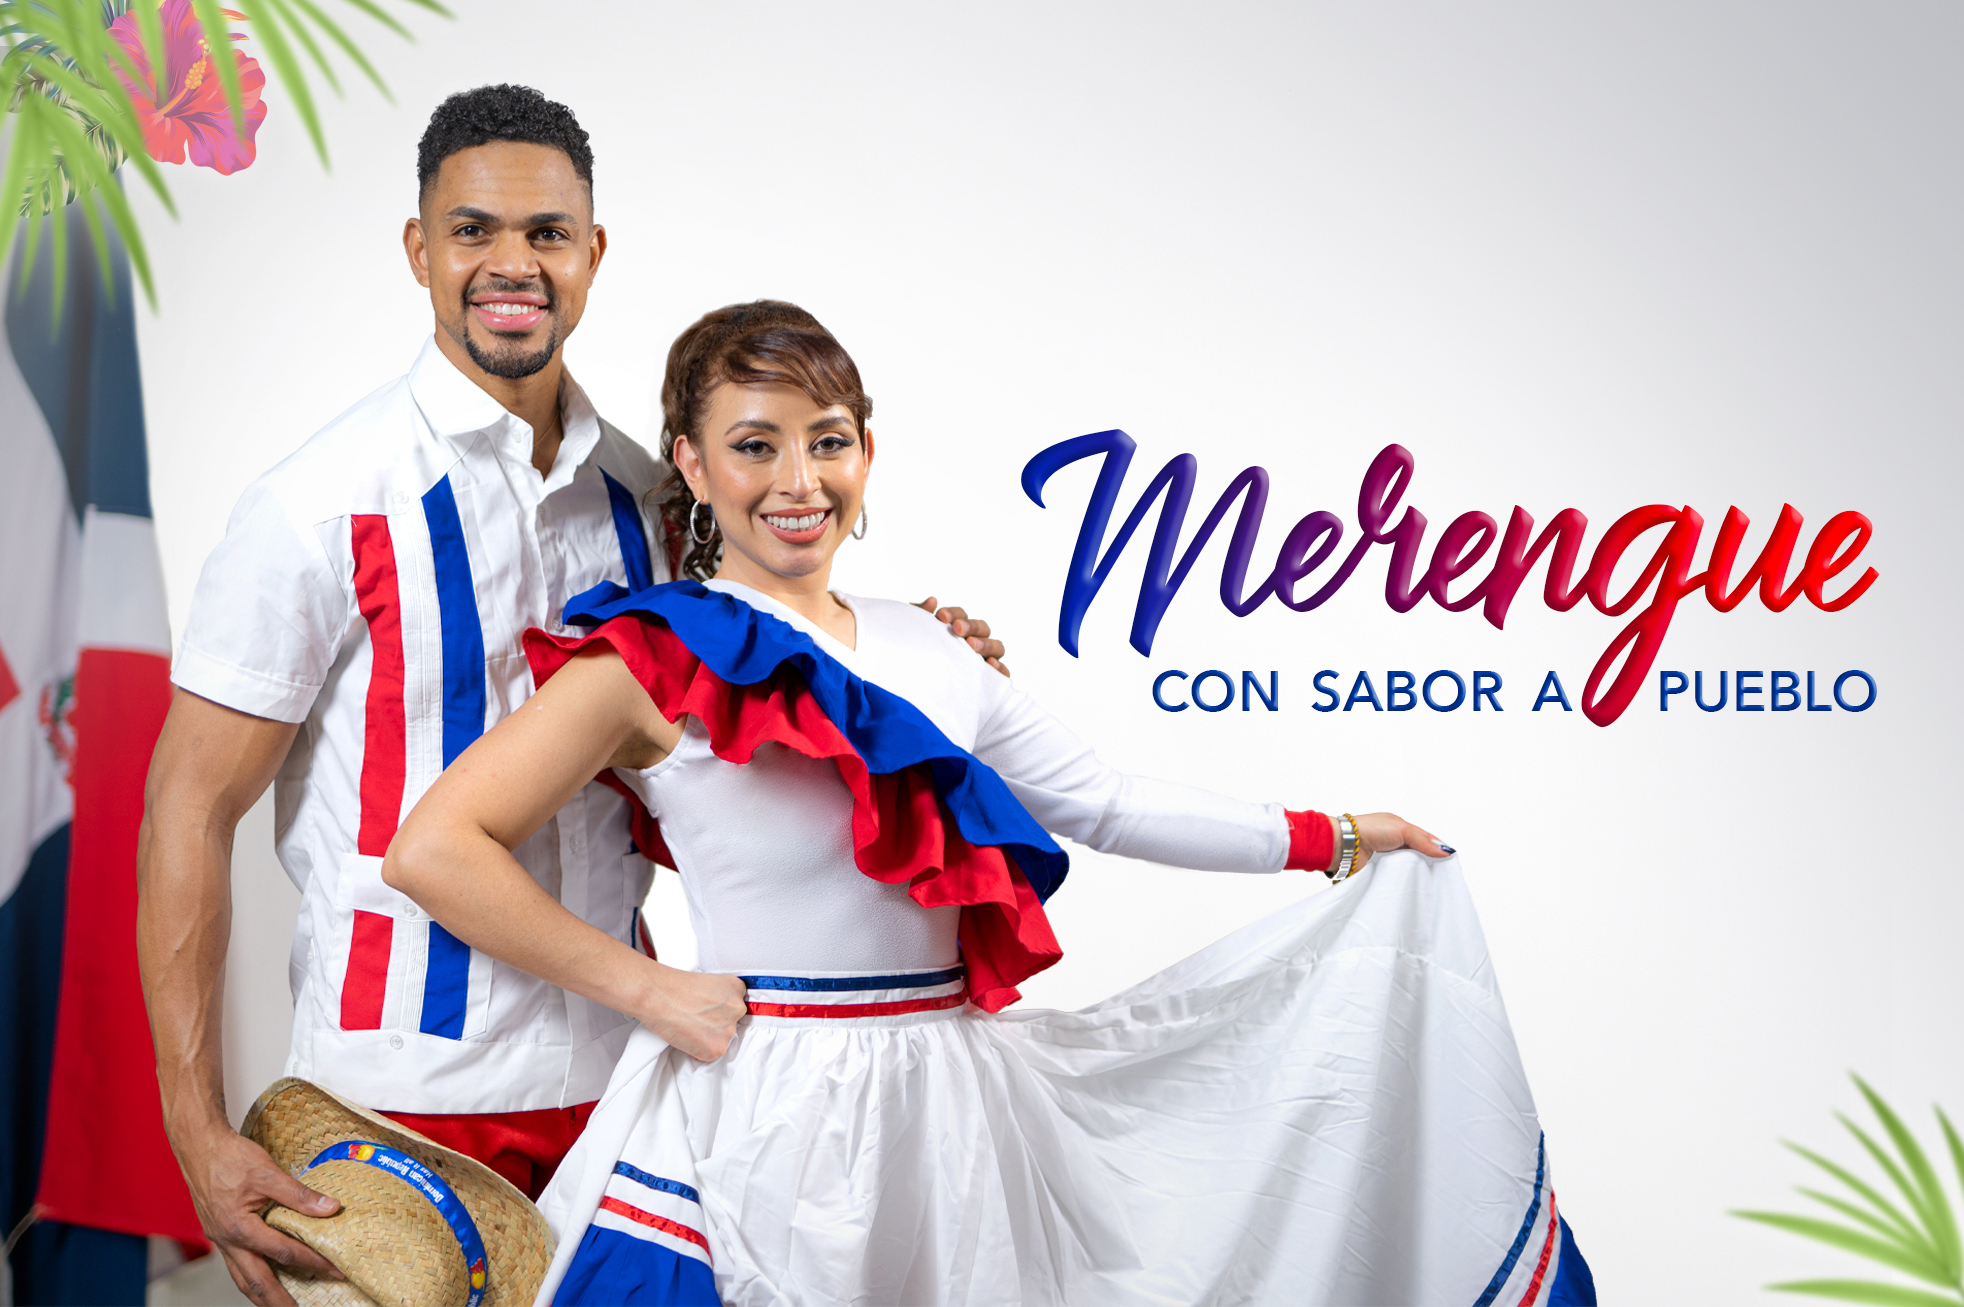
[184,921]
[210,765]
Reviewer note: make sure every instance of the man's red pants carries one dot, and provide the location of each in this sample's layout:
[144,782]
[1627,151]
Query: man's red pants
[524,1147]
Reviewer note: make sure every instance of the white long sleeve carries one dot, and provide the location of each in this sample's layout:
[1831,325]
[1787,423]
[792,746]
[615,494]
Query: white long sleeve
[1048,768]
[1072,793]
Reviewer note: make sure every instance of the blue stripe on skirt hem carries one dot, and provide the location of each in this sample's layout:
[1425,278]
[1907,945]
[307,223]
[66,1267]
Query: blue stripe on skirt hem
[614,1268]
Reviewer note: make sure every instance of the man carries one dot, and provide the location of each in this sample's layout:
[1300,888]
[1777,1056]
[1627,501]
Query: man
[356,629]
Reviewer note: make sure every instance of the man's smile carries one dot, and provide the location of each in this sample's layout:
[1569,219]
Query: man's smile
[509,312]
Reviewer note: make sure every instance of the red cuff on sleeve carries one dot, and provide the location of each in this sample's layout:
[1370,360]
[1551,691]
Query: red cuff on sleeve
[1312,841]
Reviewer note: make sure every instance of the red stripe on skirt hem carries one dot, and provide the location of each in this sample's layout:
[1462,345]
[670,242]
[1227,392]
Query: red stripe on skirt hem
[649,1219]
[1547,1249]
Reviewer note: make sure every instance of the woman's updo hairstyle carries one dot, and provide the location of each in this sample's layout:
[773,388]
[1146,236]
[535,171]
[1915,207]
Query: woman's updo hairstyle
[764,341]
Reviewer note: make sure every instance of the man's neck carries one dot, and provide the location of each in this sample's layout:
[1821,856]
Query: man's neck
[533,400]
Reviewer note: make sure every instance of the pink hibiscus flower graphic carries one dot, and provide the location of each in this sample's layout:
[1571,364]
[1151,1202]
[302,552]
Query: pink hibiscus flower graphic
[184,109]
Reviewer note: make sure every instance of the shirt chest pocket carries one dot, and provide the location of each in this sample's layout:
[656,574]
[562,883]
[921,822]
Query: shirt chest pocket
[398,969]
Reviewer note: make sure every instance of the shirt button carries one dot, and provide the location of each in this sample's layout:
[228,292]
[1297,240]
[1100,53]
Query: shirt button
[409,909]
[395,1041]
[402,496]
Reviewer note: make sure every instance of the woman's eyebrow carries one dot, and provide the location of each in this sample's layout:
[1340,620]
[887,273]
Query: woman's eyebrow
[760,424]
[830,420]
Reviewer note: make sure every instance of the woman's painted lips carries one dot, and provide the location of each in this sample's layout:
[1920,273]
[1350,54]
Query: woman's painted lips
[510,313]
[798,528]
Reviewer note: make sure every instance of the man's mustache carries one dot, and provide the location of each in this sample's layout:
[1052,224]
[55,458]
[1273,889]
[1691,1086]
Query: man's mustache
[513,288]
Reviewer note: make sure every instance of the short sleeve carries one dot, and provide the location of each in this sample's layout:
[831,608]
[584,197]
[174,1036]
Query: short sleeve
[268,616]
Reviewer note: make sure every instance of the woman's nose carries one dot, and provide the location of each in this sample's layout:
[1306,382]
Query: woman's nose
[799,480]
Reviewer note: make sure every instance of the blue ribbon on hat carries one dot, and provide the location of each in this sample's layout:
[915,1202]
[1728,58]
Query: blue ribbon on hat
[427,1183]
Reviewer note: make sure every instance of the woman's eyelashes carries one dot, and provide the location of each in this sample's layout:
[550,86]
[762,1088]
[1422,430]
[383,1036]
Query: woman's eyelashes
[825,445]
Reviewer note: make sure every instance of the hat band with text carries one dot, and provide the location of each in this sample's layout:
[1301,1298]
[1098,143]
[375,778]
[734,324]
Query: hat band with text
[427,1183]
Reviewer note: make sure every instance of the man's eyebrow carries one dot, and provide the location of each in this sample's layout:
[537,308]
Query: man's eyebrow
[486,219]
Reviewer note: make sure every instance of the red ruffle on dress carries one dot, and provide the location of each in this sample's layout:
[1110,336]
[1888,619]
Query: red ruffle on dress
[901,831]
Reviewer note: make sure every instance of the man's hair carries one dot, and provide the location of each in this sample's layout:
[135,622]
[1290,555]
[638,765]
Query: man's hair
[500,113]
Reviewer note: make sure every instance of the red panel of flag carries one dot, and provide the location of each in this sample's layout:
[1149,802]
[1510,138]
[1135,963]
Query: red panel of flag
[105,1161]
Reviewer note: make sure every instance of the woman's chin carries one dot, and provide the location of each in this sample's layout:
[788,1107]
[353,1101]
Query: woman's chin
[791,562]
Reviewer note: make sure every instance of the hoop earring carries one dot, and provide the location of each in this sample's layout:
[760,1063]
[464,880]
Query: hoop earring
[859,532]
[701,537]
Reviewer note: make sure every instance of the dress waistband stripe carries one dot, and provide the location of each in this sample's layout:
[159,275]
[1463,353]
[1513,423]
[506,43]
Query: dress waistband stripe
[897,1008]
[833,984]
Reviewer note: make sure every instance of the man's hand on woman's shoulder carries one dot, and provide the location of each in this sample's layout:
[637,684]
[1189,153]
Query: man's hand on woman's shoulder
[972,629]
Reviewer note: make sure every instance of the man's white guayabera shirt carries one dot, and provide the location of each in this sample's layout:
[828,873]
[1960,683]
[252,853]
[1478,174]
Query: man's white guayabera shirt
[373,588]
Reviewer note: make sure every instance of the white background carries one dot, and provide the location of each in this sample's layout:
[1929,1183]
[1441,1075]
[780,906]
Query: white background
[1567,255]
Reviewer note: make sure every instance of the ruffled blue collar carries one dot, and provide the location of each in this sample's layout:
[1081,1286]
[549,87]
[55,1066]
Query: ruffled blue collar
[744,646]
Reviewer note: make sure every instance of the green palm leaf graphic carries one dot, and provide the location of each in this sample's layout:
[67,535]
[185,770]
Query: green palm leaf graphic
[71,123]
[1916,1234]
[1876,1201]
[1869,1291]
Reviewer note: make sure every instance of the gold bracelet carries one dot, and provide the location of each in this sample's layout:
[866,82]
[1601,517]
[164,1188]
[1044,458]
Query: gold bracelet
[1348,860]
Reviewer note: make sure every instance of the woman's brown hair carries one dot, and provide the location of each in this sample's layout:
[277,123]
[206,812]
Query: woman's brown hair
[763,341]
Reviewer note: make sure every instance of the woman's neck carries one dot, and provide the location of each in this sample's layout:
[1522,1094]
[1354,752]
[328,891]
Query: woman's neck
[808,596]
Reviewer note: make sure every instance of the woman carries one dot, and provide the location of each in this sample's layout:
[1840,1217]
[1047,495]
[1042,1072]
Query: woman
[1325,1107]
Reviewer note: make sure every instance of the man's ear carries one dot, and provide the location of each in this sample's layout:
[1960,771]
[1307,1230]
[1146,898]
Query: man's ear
[596,250]
[418,251]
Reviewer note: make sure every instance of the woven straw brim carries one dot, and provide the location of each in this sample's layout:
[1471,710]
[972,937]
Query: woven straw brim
[388,1239]
[309,1292]
[383,1241]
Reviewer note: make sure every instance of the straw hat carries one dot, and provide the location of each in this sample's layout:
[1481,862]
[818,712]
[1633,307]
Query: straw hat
[420,1225]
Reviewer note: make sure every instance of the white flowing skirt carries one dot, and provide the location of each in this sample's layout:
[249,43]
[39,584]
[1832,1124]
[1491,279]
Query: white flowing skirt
[1325,1107]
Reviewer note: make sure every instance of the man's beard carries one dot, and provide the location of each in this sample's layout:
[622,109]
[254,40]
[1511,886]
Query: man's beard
[512,366]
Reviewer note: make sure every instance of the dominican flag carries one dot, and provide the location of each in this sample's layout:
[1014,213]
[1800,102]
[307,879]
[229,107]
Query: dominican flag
[85,1170]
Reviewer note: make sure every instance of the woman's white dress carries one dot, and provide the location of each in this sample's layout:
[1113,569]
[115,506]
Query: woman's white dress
[1327,1106]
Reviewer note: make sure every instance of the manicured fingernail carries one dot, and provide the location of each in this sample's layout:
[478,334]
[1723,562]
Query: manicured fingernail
[1449,848]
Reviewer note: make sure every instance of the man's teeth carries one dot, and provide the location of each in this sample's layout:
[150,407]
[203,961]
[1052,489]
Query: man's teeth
[509,310]
[805,523]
